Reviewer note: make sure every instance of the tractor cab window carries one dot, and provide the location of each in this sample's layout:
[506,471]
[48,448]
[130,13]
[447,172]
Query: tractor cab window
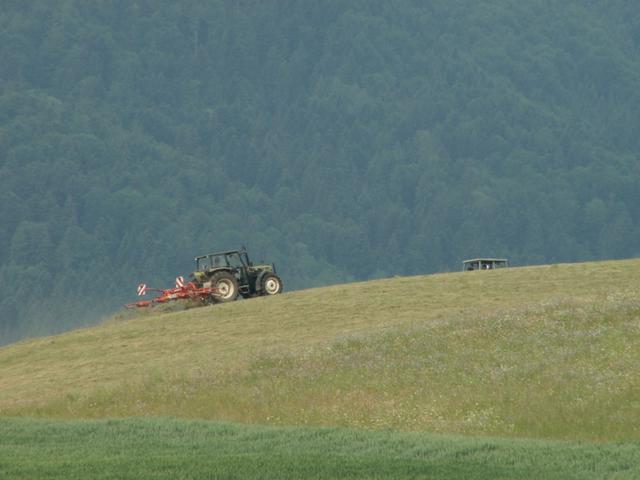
[234,261]
[218,261]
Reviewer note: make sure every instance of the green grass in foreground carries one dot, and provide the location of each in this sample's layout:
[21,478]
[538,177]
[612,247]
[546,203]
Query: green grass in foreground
[179,449]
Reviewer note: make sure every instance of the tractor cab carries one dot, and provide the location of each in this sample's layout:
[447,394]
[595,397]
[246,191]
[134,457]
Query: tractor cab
[231,259]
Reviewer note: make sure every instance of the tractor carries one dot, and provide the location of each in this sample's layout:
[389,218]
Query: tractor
[231,273]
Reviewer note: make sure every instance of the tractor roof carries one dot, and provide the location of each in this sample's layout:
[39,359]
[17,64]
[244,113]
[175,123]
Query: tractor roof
[214,254]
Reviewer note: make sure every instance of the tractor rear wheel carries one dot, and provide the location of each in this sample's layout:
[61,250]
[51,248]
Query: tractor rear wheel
[226,285]
[271,284]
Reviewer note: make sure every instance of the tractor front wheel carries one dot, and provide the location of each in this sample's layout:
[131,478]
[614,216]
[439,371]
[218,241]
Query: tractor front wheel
[226,285]
[271,284]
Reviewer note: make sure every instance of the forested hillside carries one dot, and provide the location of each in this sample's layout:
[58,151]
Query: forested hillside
[342,140]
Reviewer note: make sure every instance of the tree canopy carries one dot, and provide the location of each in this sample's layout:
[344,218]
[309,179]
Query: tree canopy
[342,140]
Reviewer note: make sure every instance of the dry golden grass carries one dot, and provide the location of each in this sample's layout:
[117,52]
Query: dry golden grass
[544,351]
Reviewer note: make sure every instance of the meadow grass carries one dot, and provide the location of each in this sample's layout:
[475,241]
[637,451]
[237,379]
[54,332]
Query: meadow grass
[546,352]
[177,449]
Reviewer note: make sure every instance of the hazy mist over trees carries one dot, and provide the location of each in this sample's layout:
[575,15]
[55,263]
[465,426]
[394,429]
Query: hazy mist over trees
[341,140]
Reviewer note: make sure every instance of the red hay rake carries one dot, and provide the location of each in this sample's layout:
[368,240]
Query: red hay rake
[190,291]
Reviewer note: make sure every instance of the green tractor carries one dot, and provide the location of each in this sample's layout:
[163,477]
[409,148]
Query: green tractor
[231,273]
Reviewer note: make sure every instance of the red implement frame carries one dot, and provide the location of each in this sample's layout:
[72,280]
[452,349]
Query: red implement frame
[187,292]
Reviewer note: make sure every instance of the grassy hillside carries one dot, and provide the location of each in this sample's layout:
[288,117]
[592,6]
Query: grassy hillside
[548,352]
[169,449]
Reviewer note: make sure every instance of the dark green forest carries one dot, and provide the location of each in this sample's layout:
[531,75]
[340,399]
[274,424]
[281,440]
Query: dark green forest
[342,140]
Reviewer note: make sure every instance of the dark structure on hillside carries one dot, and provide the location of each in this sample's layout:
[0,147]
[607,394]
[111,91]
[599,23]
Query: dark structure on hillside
[484,264]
